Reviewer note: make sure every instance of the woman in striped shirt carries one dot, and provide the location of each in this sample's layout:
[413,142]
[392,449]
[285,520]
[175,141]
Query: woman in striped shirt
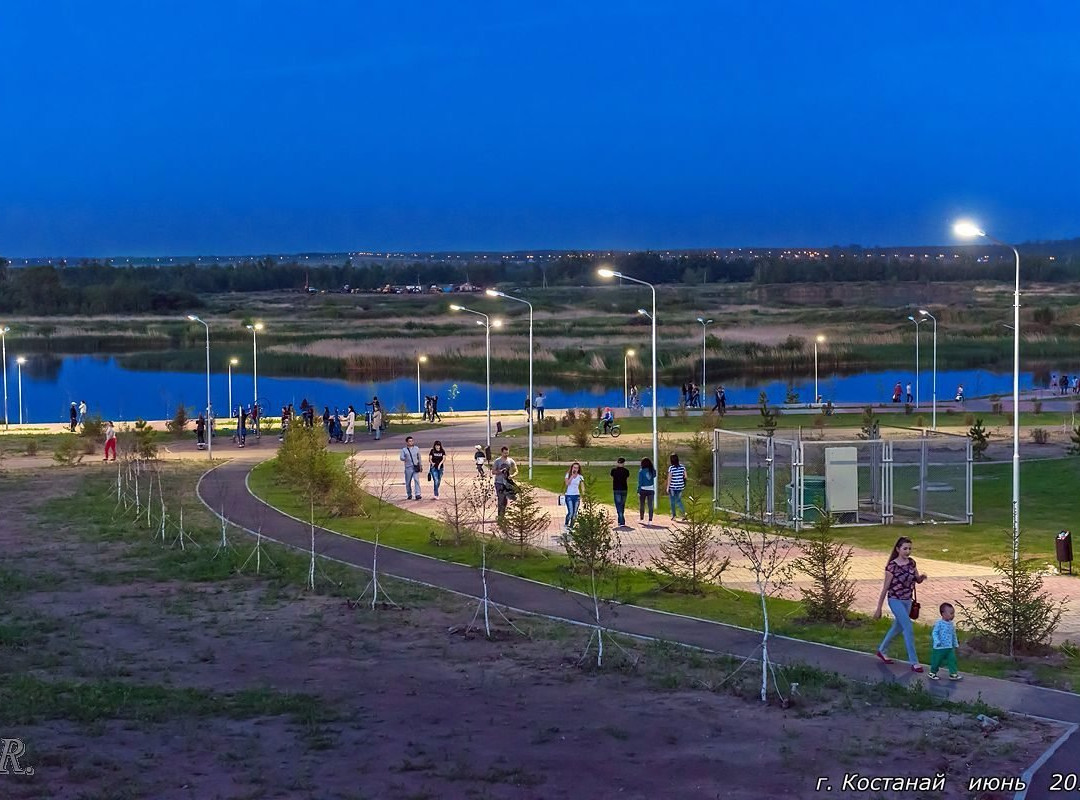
[676,482]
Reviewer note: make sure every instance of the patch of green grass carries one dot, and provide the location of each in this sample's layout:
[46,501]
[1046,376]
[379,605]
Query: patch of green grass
[25,700]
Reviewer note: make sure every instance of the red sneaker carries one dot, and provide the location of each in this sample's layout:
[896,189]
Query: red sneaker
[916,668]
[884,658]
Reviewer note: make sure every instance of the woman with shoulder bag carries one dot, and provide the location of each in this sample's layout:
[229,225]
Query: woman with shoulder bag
[436,457]
[901,575]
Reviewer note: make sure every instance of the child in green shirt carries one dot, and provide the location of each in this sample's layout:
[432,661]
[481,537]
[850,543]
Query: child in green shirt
[944,644]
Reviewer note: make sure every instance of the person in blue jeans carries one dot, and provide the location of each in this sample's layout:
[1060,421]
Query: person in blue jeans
[676,482]
[619,476]
[436,463]
[901,575]
[646,488]
[574,482]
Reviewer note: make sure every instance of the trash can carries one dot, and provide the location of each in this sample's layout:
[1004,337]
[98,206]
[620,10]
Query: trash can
[1064,550]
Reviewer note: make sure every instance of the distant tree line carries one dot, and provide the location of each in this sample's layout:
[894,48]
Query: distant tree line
[96,288]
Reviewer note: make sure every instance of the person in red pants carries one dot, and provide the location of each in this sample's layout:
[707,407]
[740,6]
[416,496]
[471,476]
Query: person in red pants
[110,441]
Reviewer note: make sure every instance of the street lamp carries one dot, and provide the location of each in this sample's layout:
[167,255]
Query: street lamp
[258,326]
[487,322]
[610,273]
[917,322]
[819,339]
[232,363]
[969,230]
[20,361]
[209,413]
[496,293]
[704,324]
[3,340]
[625,383]
[926,313]
[420,359]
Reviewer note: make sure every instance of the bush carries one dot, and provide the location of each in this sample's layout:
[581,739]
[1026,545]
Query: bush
[980,439]
[31,447]
[969,419]
[827,563]
[93,428]
[304,462]
[179,422]
[699,463]
[1017,595]
[523,522]
[140,441]
[688,560]
[68,451]
[1074,437]
[591,544]
[1036,406]
[568,418]
[581,430]
[768,421]
[908,408]
[1040,435]
[871,425]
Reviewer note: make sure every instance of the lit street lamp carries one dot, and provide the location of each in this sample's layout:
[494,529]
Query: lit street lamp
[625,382]
[3,340]
[917,322]
[232,363]
[209,413]
[487,322]
[420,359]
[968,230]
[495,293]
[704,324]
[926,313]
[819,339]
[610,273]
[20,361]
[258,326]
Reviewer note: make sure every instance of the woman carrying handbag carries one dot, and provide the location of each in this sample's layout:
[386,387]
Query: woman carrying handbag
[901,576]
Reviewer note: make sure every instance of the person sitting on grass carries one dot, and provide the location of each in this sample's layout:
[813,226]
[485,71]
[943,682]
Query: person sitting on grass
[944,644]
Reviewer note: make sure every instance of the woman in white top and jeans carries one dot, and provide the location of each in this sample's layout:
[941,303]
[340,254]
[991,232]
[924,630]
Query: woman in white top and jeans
[573,480]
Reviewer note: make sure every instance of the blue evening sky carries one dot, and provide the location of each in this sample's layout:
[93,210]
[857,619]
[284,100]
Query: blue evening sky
[250,126]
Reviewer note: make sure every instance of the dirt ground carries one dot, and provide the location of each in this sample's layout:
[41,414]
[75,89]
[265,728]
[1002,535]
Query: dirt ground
[393,705]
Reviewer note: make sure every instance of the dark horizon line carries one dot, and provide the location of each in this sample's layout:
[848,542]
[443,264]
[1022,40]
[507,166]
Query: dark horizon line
[547,251]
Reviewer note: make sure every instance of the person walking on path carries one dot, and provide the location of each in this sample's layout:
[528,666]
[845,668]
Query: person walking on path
[505,468]
[82,411]
[896,392]
[200,431]
[480,459]
[721,400]
[110,441]
[435,415]
[539,406]
[326,422]
[410,456]
[676,482]
[909,395]
[436,457]
[74,415]
[376,422]
[573,481]
[646,488]
[241,426]
[943,644]
[350,424]
[619,476]
[901,575]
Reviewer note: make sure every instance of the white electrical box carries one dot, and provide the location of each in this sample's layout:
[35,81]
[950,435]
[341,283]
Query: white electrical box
[842,480]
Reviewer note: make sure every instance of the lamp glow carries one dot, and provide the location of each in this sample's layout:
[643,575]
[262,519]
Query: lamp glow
[966,229]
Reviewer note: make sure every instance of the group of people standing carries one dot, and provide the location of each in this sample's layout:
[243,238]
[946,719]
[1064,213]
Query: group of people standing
[647,479]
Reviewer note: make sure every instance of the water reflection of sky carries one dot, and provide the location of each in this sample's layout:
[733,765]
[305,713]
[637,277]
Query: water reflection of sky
[50,385]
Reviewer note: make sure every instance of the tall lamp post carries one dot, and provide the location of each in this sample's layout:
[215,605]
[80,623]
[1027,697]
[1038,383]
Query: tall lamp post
[819,339]
[625,381]
[969,230]
[926,313]
[495,293]
[610,273]
[917,322]
[487,322]
[255,328]
[420,359]
[232,363]
[209,412]
[19,362]
[3,340]
[705,323]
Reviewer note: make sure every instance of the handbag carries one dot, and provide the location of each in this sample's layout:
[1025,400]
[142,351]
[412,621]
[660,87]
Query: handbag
[915,605]
[562,499]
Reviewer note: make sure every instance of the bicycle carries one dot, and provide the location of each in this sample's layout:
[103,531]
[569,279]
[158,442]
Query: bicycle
[614,431]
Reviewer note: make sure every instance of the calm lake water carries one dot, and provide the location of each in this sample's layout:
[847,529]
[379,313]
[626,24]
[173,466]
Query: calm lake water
[49,385]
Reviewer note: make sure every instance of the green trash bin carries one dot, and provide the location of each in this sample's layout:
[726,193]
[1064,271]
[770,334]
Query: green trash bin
[813,498]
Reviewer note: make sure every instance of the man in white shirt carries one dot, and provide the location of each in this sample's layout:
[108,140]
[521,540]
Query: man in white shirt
[504,469]
[410,455]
